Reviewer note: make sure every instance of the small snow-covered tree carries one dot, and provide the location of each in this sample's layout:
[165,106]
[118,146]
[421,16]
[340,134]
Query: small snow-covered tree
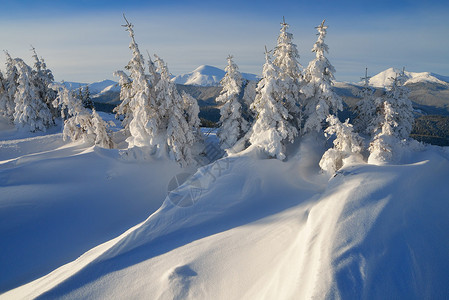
[381,147]
[87,100]
[285,58]
[123,110]
[320,100]
[192,111]
[394,121]
[397,97]
[30,111]
[3,96]
[347,144]
[174,122]
[42,79]
[142,120]
[271,130]
[232,124]
[249,94]
[10,83]
[79,123]
[99,126]
[366,108]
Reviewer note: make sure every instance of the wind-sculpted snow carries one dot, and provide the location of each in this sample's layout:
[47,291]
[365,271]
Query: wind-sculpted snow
[262,228]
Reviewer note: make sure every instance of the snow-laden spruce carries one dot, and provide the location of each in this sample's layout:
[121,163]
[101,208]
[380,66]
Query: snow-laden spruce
[9,87]
[320,100]
[123,110]
[142,119]
[232,124]
[285,57]
[174,121]
[42,79]
[79,122]
[394,122]
[366,109]
[347,145]
[29,111]
[272,129]
[155,116]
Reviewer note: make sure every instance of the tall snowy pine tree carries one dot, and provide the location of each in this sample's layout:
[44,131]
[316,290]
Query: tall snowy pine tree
[320,100]
[232,124]
[174,122]
[272,129]
[285,58]
[30,111]
[394,121]
[10,83]
[366,108]
[42,79]
[142,119]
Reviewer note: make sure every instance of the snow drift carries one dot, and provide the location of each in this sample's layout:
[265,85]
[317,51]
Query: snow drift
[260,228]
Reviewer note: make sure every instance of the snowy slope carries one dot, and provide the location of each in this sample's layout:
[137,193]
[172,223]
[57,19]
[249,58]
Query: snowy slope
[383,78]
[259,229]
[59,199]
[206,76]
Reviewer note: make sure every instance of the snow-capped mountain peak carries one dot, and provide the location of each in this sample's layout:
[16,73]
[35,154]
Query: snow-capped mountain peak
[383,79]
[206,75]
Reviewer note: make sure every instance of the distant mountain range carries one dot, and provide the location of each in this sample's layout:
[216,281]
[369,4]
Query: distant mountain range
[429,91]
[383,79]
[206,76]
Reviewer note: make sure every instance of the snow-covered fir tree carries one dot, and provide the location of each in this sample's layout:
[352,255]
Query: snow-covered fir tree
[123,110]
[79,122]
[192,111]
[102,137]
[366,108]
[347,144]
[42,79]
[10,83]
[86,98]
[382,145]
[30,111]
[394,121]
[142,119]
[285,58]
[320,100]
[3,96]
[232,124]
[249,94]
[397,97]
[173,120]
[272,129]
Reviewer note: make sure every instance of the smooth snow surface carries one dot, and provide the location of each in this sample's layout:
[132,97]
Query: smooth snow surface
[256,228]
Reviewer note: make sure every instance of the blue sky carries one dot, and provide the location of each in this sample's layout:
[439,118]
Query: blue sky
[83,40]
